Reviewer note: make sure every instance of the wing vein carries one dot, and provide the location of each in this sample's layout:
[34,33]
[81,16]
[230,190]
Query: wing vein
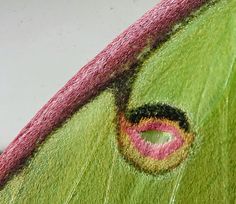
[110,179]
[224,151]
[177,184]
[85,166]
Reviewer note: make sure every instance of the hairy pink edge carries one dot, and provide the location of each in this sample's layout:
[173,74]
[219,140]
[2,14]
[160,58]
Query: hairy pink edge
[152,27]
[155,151]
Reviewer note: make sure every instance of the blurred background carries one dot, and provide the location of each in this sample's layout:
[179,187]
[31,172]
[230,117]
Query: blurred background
[44,43]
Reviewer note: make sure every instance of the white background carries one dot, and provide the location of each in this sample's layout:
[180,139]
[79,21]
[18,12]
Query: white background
[43,43]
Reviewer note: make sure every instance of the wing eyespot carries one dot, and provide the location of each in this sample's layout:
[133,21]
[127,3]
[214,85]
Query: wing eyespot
[154,138]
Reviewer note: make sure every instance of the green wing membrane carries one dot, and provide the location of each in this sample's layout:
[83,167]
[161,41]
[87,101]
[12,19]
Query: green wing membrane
[61,166]
[194,70]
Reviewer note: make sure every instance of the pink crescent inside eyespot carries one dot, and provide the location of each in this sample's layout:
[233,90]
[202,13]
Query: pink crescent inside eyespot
[155,151]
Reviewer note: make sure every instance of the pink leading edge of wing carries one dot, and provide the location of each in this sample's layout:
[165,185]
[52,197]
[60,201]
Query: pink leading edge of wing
[155,151]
